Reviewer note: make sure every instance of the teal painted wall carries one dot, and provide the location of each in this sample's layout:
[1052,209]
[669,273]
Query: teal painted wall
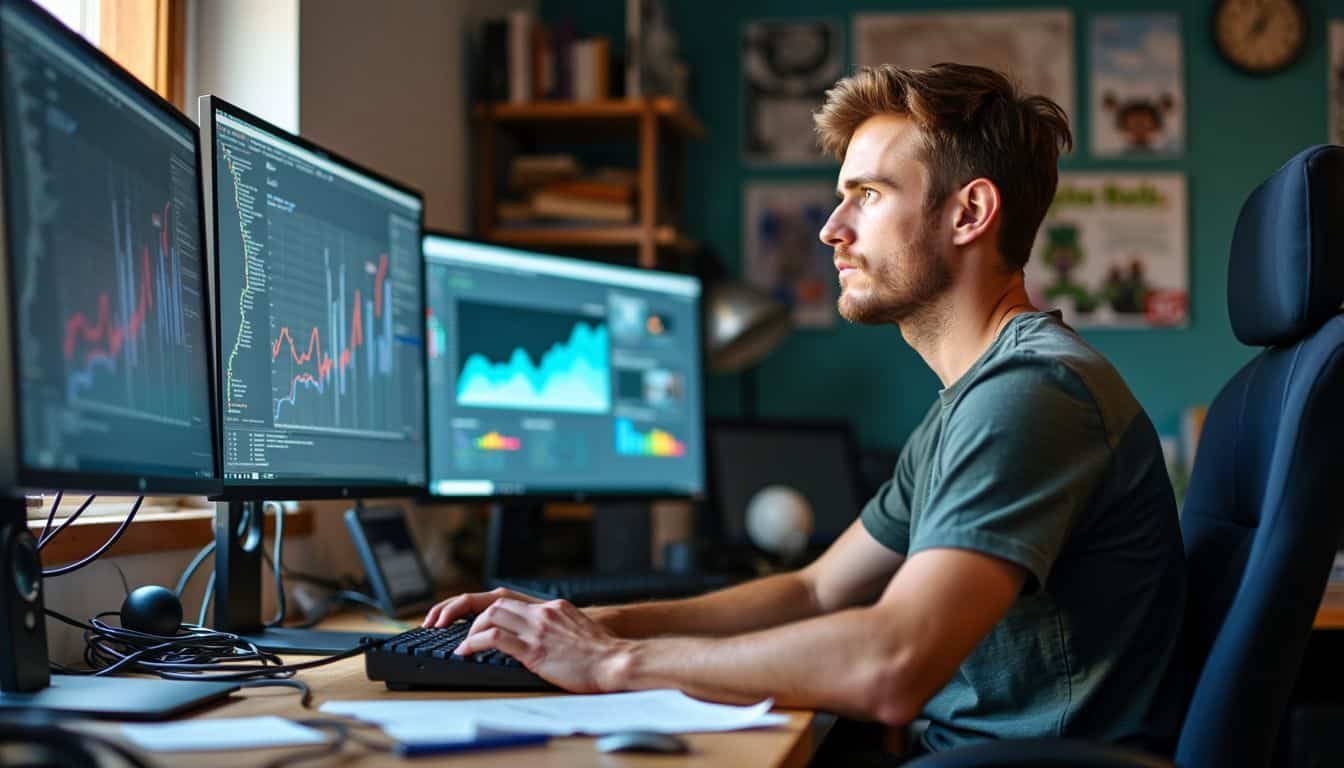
[1239,129]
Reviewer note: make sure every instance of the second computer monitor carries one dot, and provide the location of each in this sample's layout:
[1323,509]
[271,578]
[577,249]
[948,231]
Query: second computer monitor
[551,376]
[320,308]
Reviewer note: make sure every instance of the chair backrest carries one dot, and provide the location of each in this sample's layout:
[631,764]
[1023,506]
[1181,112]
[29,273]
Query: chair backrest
[1262,518]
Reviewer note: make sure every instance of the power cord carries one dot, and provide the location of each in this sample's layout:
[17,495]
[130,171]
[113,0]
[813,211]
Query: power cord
[344,591]
[112,540]
[47,533]
[194,653]
[38,742]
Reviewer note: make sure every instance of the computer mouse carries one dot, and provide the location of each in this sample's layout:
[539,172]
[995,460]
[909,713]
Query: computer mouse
[643,741]
[153,610]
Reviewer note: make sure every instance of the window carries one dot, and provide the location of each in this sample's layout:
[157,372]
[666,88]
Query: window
[147,37]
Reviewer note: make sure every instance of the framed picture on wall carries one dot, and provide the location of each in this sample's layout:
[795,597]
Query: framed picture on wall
[784,254]
[786,68]
[1112,251]
[1137,86]
[1035,47]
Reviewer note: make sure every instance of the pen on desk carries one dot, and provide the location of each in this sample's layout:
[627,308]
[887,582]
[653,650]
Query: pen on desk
[500,741]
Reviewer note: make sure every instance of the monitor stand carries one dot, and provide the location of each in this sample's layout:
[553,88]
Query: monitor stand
[238,533]
[516,536]
[26,683]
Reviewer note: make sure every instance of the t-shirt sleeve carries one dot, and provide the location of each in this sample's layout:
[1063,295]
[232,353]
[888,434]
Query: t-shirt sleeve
[1023,450]
[886,516]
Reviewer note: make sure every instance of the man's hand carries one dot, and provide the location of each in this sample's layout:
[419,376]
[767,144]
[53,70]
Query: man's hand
[454,608]
[554,639]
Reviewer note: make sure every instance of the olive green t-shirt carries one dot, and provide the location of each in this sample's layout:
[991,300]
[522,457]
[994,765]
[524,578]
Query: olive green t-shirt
[1040,455]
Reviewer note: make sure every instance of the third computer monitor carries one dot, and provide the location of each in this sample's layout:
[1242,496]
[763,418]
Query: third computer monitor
[320,308]
[559,377]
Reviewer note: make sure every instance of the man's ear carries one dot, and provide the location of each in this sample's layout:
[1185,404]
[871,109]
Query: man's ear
[977,211]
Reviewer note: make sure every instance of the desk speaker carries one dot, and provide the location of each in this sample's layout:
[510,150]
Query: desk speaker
[23,636]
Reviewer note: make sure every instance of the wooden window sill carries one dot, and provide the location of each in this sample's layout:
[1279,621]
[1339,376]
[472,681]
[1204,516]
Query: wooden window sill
[152,531]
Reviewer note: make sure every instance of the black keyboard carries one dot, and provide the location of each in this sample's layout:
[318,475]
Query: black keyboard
[600,588]
[424,658]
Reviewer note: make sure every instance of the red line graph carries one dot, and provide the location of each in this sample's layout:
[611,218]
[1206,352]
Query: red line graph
[378,286]
[323,362]
[77,328]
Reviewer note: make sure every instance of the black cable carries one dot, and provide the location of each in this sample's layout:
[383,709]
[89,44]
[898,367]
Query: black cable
[343,732]
[70,746]
[206,598]
[75,566]
[194,653]
[305,693]
[125,585]
[56,502]
[195,563]
[46,537]
[278,567]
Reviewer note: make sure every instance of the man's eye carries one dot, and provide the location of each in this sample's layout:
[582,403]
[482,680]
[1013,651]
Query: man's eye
[869,195]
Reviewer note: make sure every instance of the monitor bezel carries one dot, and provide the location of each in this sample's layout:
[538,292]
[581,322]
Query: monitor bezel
[17,475]
[827,426]
[296,488]
[568,494]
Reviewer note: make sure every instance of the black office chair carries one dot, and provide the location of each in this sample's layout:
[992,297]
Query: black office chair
[1261,520]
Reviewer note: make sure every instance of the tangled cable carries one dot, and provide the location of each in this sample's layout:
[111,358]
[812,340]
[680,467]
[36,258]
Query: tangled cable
[194,653]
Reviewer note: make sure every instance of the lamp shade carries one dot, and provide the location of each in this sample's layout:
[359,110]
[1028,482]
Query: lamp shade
[744,325]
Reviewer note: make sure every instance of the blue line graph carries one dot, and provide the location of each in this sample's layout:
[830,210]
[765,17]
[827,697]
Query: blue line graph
[572,376]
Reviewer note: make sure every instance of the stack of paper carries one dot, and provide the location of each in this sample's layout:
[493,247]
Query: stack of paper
[221,734]
[667,711]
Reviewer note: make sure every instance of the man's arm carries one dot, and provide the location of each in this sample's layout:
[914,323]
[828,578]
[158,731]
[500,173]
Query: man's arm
[881,662]
[853,570]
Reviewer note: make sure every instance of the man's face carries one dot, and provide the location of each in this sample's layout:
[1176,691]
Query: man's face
[890,249]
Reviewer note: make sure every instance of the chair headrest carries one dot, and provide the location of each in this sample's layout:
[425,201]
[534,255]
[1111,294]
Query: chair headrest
[1286,275]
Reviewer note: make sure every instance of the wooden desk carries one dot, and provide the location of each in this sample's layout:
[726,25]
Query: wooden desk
[1331,613]
[788,746]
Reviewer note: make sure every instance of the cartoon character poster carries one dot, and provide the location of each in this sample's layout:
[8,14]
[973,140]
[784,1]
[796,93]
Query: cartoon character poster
[1138,95]
[1112,251]
[784,255]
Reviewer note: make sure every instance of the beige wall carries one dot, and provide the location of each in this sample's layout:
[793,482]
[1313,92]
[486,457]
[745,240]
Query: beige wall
[385,84]
[246,52]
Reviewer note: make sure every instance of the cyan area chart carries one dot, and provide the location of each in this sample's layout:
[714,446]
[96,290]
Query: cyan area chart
[557,362]
[322,361]
[559,376]
[103,226]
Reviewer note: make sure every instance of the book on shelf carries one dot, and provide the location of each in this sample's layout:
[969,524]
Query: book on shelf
[530,171]
[520,54]
[521,60]
[561,206]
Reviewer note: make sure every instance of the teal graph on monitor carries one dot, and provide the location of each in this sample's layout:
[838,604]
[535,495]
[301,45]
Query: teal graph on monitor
[555,376]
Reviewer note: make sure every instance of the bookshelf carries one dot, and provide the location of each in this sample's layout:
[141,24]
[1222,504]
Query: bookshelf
[652,123]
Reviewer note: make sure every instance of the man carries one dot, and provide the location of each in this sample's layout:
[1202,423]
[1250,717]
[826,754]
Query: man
[1021,574]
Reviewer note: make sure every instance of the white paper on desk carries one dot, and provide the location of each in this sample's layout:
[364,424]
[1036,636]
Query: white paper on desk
[668,711]
[221,733]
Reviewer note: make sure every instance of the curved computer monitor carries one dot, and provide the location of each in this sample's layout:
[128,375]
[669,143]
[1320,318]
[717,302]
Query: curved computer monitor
[105,346]
[319,289]
[558,377]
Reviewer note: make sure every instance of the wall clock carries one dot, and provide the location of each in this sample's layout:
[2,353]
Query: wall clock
[1259,37]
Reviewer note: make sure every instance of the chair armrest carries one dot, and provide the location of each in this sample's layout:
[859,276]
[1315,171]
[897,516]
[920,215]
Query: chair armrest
[1041,753]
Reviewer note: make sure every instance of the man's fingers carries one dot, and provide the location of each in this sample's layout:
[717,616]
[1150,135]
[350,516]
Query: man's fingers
[443,613]
[509,614]
[498,638]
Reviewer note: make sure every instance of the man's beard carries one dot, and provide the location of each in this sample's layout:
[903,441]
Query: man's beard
[902,286]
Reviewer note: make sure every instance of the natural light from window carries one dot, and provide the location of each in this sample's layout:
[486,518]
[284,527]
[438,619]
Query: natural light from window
[79,15]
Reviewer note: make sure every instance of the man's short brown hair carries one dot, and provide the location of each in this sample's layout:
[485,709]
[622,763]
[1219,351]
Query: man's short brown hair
[975,124]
